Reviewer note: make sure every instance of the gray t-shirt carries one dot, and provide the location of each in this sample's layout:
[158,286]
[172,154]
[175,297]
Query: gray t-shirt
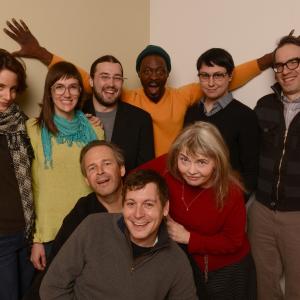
[108,121]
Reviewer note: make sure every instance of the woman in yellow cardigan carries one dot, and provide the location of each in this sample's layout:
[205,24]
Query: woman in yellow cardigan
[57,136]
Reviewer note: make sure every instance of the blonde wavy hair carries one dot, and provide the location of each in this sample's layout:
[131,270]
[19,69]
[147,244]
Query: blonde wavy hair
[205,139]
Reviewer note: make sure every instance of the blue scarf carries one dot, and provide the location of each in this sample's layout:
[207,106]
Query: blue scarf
[78,131]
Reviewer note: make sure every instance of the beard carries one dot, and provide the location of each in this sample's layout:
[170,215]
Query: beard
[104,102]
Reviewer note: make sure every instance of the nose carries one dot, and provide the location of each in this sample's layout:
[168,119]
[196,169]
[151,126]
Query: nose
[285,70]
[153,74]
[192,169]
[99,169]
[7,94]
[139,212]
[211,81]
[67,92]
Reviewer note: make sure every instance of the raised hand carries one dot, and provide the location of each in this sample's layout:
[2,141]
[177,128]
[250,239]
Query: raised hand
[30,46]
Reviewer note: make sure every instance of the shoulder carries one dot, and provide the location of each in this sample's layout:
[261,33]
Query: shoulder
[158,164]
[235,195]
[134,110]
[33,129]
[94,222]
[267,99]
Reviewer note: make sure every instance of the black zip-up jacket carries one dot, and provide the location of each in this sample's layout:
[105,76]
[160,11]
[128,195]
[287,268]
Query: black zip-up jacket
[279,162]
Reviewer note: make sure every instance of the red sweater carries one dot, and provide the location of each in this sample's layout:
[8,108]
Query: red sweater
[219,234]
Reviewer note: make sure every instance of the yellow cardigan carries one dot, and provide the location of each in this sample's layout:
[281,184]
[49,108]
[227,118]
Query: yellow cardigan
[57,189]
[168,114]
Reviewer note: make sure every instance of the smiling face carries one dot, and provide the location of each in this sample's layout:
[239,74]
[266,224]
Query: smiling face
[143,214]
[214,88]
[107,85]
[102,171]
[153,75]
[196,170]
[8,89]
[65,93]
[288,79]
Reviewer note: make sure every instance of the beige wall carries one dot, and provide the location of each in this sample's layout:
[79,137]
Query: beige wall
[80,31]
[247,29]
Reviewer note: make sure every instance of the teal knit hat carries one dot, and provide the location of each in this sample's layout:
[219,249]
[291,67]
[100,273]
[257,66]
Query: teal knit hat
[153,50]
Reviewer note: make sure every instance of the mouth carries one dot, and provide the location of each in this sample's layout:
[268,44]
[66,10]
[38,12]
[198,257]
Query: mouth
[102,180]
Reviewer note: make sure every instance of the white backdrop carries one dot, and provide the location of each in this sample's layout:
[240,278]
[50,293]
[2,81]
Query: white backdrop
[247,29]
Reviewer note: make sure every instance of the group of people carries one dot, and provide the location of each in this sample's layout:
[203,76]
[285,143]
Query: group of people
[185,187]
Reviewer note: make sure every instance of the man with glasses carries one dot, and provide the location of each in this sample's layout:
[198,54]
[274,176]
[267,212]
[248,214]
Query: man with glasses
[127,126]
[236,122]
[275,215]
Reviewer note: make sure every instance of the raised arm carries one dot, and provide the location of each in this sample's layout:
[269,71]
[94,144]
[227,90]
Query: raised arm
[31,48]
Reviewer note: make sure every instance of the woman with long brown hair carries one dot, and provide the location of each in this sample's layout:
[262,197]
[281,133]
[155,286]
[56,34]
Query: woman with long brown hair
[57,137]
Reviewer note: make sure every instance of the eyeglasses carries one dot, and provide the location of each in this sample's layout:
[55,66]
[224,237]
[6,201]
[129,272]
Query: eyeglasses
[291,64]
[59,89]
[106,78]
[205,77]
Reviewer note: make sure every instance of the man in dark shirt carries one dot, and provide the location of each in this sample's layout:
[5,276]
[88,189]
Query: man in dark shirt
[125,125]
[236,122]
[103,166]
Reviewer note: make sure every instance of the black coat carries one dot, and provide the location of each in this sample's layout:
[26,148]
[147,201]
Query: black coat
[132,132]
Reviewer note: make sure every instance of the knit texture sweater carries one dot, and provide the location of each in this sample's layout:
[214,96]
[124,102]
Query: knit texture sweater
[239,128]
[96,262]
[217,234]
[168,113]
[55,190]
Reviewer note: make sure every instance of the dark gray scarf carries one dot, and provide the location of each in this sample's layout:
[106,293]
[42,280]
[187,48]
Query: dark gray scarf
[12,125]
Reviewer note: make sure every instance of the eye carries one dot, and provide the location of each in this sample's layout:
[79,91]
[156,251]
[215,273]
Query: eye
[105,77]
[129,204]
[118,78]
[218,76]
[148,204]
[147,72]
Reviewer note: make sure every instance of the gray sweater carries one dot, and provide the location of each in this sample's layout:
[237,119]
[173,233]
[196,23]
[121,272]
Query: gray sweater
[97,263]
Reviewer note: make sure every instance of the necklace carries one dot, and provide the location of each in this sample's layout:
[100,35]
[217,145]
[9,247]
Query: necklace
[187,206]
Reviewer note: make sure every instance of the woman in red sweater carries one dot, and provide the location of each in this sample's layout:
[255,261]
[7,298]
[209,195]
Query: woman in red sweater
[207,212]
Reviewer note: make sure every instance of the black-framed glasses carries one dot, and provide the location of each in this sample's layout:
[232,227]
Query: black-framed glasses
[291,64]
[60,89]
[205,77]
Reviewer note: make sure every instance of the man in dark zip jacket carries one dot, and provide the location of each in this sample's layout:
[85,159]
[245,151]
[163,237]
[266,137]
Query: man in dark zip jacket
[275,214]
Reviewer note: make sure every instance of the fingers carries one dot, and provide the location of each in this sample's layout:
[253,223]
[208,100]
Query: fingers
[10,34]
[292,32]
[18,26]
[24,25]
[38,256]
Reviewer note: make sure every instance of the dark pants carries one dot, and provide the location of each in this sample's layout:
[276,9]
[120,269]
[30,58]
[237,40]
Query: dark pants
[234,282]
[16,270]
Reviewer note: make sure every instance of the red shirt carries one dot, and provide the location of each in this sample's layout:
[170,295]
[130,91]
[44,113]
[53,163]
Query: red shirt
[218,233]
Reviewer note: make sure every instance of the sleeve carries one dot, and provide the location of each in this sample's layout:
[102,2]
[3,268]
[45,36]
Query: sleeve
[157,164]
[232,234]
[84,74]
[58,282]
[249,151]
[183,287]
[99,132]
[243,73]
[146,141]
[70,223]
